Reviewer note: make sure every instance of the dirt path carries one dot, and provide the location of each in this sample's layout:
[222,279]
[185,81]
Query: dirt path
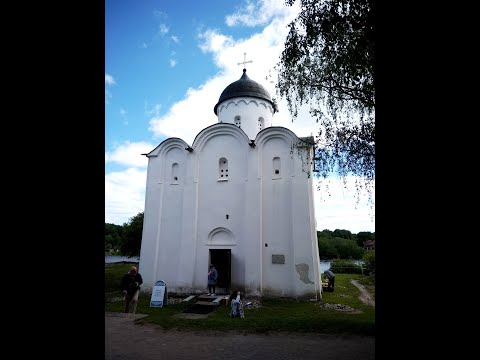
[126,340]
[364,294]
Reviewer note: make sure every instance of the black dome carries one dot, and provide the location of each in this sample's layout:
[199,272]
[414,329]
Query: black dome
[243,87]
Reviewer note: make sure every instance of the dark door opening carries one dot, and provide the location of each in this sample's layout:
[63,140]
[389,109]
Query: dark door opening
[221,258]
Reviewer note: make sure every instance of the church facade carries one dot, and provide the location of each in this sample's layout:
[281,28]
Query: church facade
[240,197]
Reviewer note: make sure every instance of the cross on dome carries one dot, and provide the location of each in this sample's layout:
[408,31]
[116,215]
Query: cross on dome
[245,60]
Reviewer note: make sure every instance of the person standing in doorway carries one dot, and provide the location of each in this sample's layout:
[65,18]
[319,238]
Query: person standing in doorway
[130,286]
[212,279]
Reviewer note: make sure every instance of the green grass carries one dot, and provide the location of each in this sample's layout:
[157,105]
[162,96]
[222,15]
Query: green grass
[274,315]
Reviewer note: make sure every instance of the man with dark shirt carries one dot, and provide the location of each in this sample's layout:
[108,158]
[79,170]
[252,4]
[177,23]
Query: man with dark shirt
[130,287]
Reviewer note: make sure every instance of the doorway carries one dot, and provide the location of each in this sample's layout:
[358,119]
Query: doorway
[222,259]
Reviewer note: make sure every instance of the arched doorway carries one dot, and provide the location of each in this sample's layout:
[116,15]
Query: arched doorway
[221,258]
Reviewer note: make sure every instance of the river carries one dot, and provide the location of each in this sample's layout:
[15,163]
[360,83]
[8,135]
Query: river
[324,264]
[117,258]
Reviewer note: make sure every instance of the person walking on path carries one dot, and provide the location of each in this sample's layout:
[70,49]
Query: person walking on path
[212,279]
[130,286]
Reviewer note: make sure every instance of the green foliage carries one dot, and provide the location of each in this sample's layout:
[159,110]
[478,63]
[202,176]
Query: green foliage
[113,236]
[364,236]
[345,267]
[273,315]
[349,249]
[329,248]
[345,234]
[369,259]
[132,236]
[324,234]
[328,63]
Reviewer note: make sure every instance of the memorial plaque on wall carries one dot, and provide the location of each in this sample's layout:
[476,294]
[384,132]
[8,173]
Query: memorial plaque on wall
[278,259]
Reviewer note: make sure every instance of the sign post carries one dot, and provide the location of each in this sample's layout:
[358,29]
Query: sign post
[159,294]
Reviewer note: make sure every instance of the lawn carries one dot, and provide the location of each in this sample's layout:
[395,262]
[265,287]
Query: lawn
[273,315]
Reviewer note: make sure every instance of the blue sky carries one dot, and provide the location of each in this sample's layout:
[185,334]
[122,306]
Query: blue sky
[166,64]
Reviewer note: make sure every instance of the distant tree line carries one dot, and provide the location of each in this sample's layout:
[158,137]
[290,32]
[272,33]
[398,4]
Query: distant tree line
[342,244]
[126,240]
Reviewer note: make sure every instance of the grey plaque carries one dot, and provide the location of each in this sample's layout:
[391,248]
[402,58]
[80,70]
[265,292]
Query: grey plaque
[278,259]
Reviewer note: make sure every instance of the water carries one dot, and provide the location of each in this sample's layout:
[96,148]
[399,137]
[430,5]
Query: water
[117,258]
[324,265]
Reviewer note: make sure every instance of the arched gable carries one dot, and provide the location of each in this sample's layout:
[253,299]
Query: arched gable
[218,129]
[220,236]
[167,145]
[168,161]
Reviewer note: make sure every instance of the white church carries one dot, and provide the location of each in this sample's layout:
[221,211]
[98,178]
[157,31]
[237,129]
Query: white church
[240,197]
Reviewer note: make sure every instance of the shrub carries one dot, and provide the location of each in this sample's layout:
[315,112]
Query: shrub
[346,267]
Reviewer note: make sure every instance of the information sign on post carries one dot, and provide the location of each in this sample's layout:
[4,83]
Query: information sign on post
[159,294]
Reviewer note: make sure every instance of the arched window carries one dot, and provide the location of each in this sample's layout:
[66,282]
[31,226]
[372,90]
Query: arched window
[260,123]
[223,169]
[276,168]
[175,173]
[238,122]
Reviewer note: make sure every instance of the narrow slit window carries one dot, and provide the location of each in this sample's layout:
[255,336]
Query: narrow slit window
[175,172]
[260,123]
[276,167]
[238,121]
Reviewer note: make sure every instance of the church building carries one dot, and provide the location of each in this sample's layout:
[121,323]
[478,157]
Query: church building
[239,197]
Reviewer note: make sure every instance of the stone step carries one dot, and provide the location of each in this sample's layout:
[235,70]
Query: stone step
[190,298]
[206,303]
[209,297]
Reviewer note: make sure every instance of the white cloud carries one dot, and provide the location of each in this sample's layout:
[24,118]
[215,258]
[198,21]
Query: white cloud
[124,195]
[125,190]
[109,80]
[130,154]
[123,115]
[143,45]
[107,96]
[195,111]
[253,13]
[339,208]
[160,14]
[175,39]
[154,111]
[163,29]
[173,62]
[212,41]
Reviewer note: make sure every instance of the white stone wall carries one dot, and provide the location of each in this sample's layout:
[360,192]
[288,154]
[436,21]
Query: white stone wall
[249,110]
[184,218]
